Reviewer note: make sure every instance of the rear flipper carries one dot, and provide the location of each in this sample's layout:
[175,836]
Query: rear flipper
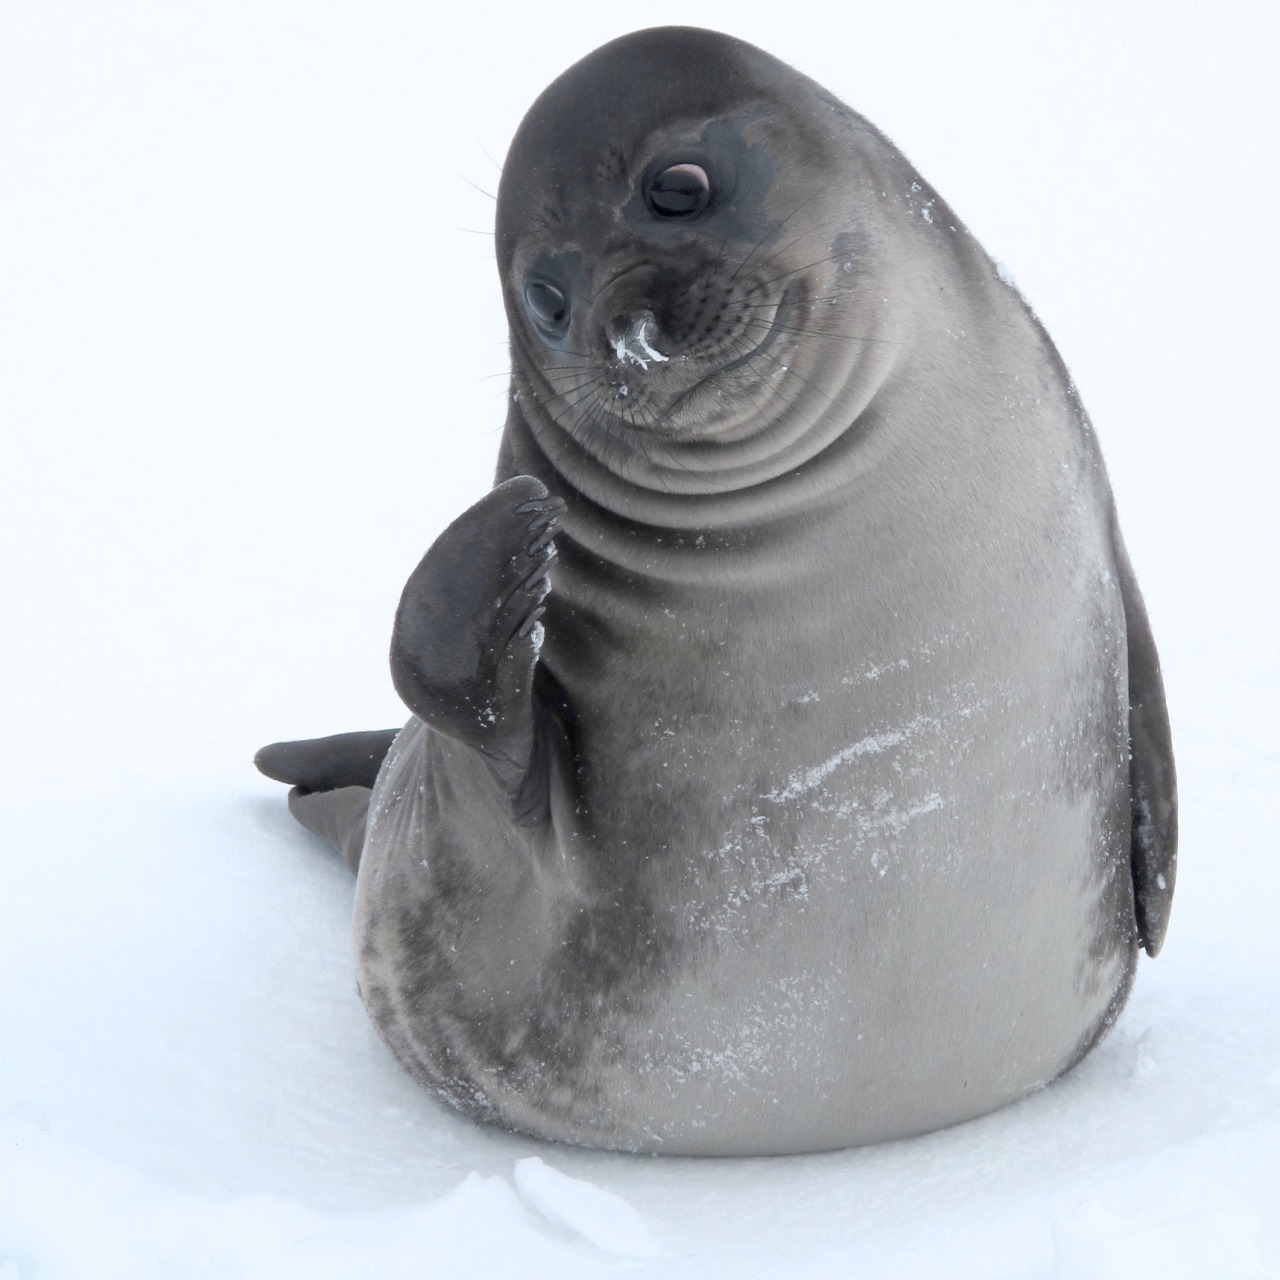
[324,764]
[338,816]
[332,780]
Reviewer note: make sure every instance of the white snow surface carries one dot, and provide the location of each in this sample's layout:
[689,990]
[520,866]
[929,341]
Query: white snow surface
[601,1217]
[252,362]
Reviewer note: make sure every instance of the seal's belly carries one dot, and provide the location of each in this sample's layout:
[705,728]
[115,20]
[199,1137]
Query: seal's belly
[884,903]
[888,929]
[877,954]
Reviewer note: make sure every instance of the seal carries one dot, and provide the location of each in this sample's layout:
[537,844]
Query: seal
[789,765]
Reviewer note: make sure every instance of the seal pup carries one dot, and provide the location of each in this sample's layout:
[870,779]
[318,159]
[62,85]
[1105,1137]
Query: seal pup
[789,765]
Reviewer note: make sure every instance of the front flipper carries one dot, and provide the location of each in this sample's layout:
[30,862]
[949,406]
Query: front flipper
[325,764]
[1152,780]
[467,634]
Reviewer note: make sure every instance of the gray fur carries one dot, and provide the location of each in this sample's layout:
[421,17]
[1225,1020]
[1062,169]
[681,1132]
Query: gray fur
[802,818]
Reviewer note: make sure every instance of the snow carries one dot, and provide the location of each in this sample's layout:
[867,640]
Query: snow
[633,345]
[252,362]
[873,744]
[600,1217]
[1096,1244]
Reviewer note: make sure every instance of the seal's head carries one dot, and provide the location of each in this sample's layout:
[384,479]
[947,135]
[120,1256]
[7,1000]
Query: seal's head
[685,272]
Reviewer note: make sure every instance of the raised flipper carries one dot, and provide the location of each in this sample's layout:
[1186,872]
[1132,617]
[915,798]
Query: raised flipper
[325,764]
[1153,782]
[467,635]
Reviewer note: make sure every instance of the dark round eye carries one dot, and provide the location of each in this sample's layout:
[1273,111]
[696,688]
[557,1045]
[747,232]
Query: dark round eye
[682,191]
[548,303]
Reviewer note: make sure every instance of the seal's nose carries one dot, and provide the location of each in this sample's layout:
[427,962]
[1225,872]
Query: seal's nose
[633,337]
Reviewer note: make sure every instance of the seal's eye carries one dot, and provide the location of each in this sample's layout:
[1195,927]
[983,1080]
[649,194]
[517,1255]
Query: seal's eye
[682,191]
[548,303]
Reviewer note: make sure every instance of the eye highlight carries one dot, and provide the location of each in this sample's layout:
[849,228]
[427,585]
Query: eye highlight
[548,304]
[680,191]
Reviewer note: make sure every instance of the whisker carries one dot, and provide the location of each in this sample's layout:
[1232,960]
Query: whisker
[457,173]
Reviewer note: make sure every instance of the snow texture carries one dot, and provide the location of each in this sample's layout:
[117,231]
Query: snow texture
[634,345]
[809,779]
[252,361]
[600,1217]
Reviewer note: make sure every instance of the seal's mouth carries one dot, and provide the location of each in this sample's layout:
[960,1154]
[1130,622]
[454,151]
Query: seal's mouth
[781,316]
[781,322]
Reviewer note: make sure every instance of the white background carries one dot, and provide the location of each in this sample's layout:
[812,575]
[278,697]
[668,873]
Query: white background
[252,360]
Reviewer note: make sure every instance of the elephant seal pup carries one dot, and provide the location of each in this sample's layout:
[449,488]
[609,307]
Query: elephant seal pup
[820,791]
